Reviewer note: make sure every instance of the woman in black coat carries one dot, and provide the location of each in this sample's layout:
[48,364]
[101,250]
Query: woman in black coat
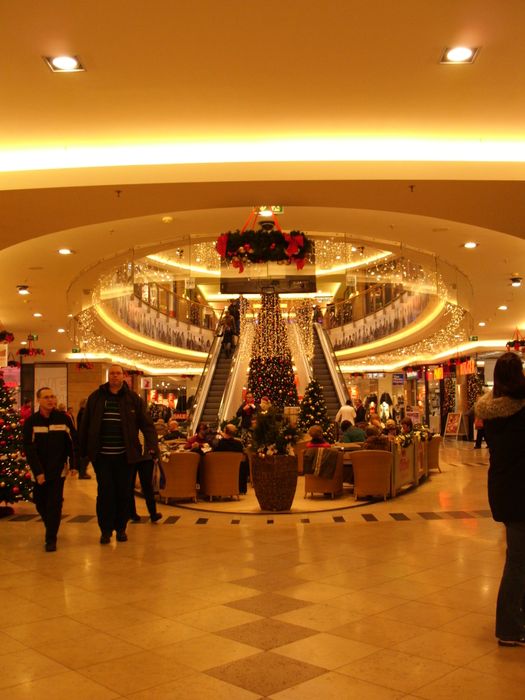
[503,415]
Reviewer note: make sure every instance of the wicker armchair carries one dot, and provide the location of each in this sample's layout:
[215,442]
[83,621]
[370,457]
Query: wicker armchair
[317,484]
[372,473]
[181,476]
[220,474]
[433,452]
[299,448]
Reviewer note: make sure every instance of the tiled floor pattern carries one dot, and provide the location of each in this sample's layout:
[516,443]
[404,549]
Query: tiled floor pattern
[390,607]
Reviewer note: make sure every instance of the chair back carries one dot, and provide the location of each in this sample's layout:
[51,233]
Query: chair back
[333,486]
[372,472]
[220,474]
[299,449]
[181,475]
[433,452]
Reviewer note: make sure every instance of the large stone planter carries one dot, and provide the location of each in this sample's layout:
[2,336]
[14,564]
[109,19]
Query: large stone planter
[274,481]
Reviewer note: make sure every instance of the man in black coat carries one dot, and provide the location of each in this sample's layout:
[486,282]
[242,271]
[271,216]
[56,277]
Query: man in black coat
[229,443]
[50,440]
[109,436]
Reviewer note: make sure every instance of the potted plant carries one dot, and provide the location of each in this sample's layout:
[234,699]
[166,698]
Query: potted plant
[274,464]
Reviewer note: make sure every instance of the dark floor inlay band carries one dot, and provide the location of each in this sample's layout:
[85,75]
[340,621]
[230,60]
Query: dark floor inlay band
[269,522]
[431,516]
[459,514]
[483,513]
[235,522]
[339,519]
[171,519]
[81,519]
[305,520]
[201,521]
[399,516]
[22,518]
[369,517]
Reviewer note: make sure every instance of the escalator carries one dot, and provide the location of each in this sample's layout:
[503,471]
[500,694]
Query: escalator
[218,383]
[327,372]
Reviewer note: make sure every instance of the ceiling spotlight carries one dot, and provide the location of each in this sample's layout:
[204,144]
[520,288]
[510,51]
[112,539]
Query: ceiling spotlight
[64,64]
[482,324]
[53,350]
[515,281]
[23,342]
[459,54]
[61,330]
[37,314]
[23,289]
[470,245]
[65,251]
[503,307]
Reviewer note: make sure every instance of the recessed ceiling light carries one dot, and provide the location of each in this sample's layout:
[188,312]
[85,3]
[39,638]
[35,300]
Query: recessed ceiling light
[503,307]
[23,289]
[64,64]
[37,314]
[65,251]
[470,245]
[482,324]
[515,281]
[23,342]
[459,54]
[53,350]
[61,330]
[70,315]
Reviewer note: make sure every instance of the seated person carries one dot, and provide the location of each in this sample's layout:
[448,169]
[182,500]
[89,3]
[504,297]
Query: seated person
[407,426]
[229,443]
[317,437]
[351,433]
[161,428]
[173,431]
[375,440]
[200,440]
[391,429]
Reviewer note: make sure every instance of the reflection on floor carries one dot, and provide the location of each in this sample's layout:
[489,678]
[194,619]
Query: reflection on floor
[300,606]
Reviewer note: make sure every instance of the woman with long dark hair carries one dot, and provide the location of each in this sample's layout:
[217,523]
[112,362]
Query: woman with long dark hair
[503,413]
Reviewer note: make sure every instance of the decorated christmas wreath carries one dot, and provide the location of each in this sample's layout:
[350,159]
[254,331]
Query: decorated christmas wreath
[240,247]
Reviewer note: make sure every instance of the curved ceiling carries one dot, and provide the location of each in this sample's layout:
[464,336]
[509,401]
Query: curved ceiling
[356,125]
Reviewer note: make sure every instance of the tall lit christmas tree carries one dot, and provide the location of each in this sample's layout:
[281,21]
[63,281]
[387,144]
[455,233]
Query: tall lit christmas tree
[15,478]
[271,372]
[313,411]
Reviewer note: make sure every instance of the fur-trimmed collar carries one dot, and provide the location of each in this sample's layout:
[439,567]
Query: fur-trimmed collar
[487,407]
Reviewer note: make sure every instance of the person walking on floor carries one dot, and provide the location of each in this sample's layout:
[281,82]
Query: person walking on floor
[503,413]
[50,441]
[109,436]
[145,471]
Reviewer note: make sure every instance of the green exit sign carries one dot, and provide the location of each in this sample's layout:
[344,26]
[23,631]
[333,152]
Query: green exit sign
[75,349]
[473,338]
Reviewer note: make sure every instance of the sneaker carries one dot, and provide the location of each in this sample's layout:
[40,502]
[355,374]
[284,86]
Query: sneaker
[135,518]
[155,516]
[105,538]
[518,642]
[51,546]
[121,536]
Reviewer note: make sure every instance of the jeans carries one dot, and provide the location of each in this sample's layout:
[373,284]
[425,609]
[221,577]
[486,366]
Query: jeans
[510,616]
[48,500]
[145,472]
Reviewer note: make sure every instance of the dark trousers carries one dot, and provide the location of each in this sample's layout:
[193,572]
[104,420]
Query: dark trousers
[480,437]
[145,472]
[113,492]
[48,500]
[510,616]
[83,465]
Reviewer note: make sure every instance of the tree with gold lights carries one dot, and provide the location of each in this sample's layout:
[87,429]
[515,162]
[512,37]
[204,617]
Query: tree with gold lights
[271,372]
[16,482]
[313,411]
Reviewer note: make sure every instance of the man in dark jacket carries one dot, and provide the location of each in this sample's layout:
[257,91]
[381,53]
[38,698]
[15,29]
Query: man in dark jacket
[109,436]
[50,440]
[229,443]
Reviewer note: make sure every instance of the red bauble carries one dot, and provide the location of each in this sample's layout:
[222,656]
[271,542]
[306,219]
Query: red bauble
[27,476]
[15,489]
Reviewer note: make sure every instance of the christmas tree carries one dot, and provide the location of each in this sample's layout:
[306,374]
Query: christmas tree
[271,372]
[15,478]
[313,411]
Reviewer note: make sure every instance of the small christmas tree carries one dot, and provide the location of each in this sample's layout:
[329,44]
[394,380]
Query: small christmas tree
[313,411]
[16,482]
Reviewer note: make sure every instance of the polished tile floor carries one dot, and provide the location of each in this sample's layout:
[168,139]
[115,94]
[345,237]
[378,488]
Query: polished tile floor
[388,600]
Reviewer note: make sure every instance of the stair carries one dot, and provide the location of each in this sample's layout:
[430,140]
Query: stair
[323,376]
[214,398]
